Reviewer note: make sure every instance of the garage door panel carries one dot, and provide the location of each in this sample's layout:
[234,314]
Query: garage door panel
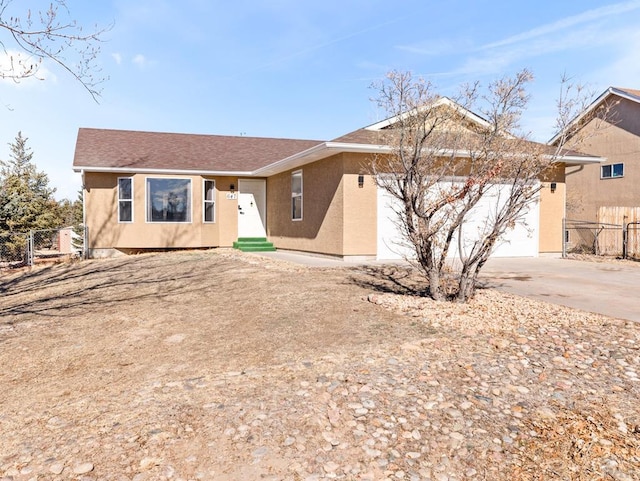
[521,241]
[391,242]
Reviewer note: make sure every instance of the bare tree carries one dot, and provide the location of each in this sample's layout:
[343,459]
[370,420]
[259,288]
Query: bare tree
[49,34]
[574,110]
[445,159]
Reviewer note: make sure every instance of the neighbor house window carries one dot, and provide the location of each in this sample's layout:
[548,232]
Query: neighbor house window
[168,200]
[209,203]
[613,170]
[125,199]
[296,195]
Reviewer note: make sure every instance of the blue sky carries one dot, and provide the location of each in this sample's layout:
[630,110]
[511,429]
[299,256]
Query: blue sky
[303,69]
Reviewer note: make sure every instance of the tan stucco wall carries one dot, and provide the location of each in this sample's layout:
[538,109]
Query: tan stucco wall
[339,218]
[552,210]
[105,232]
[619,141]
[361,208]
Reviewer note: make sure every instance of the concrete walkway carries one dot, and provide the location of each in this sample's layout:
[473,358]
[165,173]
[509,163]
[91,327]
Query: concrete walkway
[608,288]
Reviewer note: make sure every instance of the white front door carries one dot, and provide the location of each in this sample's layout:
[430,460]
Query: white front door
[252,207]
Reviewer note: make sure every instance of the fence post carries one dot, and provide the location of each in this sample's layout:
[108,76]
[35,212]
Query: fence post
[30,249]
[85,241]
[564,238]
[625,238]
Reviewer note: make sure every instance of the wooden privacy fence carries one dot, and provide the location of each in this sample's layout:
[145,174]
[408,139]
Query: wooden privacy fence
[613,242]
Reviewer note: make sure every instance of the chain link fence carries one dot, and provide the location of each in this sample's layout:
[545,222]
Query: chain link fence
[20,248]
[14,249]
[601,239]
[596,238]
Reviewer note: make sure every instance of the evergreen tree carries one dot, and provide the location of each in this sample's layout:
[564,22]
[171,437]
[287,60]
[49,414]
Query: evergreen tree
[26,200]
[71,212]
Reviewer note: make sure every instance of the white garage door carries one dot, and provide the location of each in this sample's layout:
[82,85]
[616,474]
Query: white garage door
[522,241]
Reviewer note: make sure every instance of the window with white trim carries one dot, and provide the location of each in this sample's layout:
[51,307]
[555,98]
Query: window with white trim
[611,171]
[296,195]
[168,200]
[125,199]
[209,200]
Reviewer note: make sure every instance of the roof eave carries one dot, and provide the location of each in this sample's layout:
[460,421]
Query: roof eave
[318,152]
[571,160]
[441,101]
[128,170]
[601,98]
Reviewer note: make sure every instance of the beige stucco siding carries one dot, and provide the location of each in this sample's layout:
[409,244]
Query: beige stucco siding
[618,141]
[360,208]
[552,210]
[321,227]
[339,217]
[105,232]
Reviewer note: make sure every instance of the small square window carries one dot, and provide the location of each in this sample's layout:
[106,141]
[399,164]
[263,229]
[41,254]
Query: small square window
[618,170]
[611,171]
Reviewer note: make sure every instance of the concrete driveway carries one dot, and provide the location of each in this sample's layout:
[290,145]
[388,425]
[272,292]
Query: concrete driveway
[608,288]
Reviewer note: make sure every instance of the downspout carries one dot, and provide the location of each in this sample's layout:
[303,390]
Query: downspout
[85,233]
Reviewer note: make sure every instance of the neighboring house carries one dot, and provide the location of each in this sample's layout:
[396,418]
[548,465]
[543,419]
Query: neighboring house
[610,128]
[146,190]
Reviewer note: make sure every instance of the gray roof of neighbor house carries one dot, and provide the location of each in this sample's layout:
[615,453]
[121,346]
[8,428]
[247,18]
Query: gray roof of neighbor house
[105,149]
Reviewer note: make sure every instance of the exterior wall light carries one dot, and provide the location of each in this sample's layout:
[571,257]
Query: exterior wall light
[232,187]
[361,181]
[553,186]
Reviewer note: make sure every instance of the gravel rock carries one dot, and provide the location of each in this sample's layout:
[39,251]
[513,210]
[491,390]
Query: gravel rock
[503,388]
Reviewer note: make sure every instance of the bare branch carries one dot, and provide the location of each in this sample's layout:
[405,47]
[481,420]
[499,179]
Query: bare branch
[445,160]
[52,35]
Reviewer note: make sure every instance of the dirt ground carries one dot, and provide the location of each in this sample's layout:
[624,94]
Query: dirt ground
[224,365]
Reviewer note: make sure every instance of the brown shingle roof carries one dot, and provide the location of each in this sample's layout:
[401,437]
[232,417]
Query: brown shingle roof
[380,137]
[103,148]
[362,136]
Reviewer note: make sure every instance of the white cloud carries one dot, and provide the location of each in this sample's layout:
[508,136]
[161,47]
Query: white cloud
[566,23]
[141,61]
[117,57]
[586,30]
[436,47]
[498,59]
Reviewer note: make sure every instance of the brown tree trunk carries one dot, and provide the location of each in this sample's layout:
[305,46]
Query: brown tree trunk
[435,286]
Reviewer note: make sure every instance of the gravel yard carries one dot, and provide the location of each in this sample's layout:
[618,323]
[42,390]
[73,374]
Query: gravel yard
[219,365]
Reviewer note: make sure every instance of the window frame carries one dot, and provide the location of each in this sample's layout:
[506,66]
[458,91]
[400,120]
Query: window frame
[148,206]
[297,195]
[121,199]
[206,201]
[612,174]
